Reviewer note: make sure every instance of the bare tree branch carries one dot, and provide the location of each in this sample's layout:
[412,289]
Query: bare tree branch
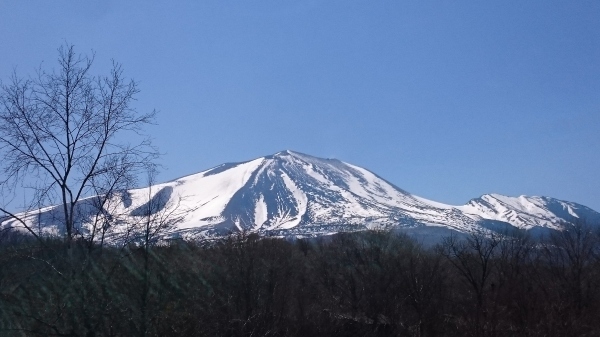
[63,129]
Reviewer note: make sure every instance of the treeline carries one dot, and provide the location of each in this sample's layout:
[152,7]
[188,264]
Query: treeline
[359,284]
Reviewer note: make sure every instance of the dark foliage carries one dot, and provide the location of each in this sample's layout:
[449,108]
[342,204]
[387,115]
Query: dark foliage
[360,284]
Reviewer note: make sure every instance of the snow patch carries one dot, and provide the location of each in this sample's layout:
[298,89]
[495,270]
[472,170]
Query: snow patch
[299,197]
[260,213]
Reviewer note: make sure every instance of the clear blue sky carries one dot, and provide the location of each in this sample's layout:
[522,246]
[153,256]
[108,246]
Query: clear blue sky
[446,99]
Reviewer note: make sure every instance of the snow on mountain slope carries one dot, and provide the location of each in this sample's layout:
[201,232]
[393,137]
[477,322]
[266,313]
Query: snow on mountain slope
[290,193]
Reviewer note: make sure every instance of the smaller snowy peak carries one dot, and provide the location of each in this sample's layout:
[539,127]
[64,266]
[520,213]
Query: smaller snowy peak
[528,211]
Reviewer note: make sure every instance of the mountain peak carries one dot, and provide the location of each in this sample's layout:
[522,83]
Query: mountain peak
[286,153]
[283,153]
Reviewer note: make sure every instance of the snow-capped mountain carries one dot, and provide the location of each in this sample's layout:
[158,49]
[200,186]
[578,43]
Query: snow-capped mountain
[291,193]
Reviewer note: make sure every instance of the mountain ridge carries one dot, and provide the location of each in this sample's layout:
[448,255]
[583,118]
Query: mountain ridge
[292,193]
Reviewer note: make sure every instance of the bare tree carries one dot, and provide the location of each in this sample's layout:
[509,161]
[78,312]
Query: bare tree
[473,259]
[62,132]
[148,225]
[571,260]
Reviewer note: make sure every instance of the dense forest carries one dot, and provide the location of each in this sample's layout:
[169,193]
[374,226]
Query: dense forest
[351,284]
